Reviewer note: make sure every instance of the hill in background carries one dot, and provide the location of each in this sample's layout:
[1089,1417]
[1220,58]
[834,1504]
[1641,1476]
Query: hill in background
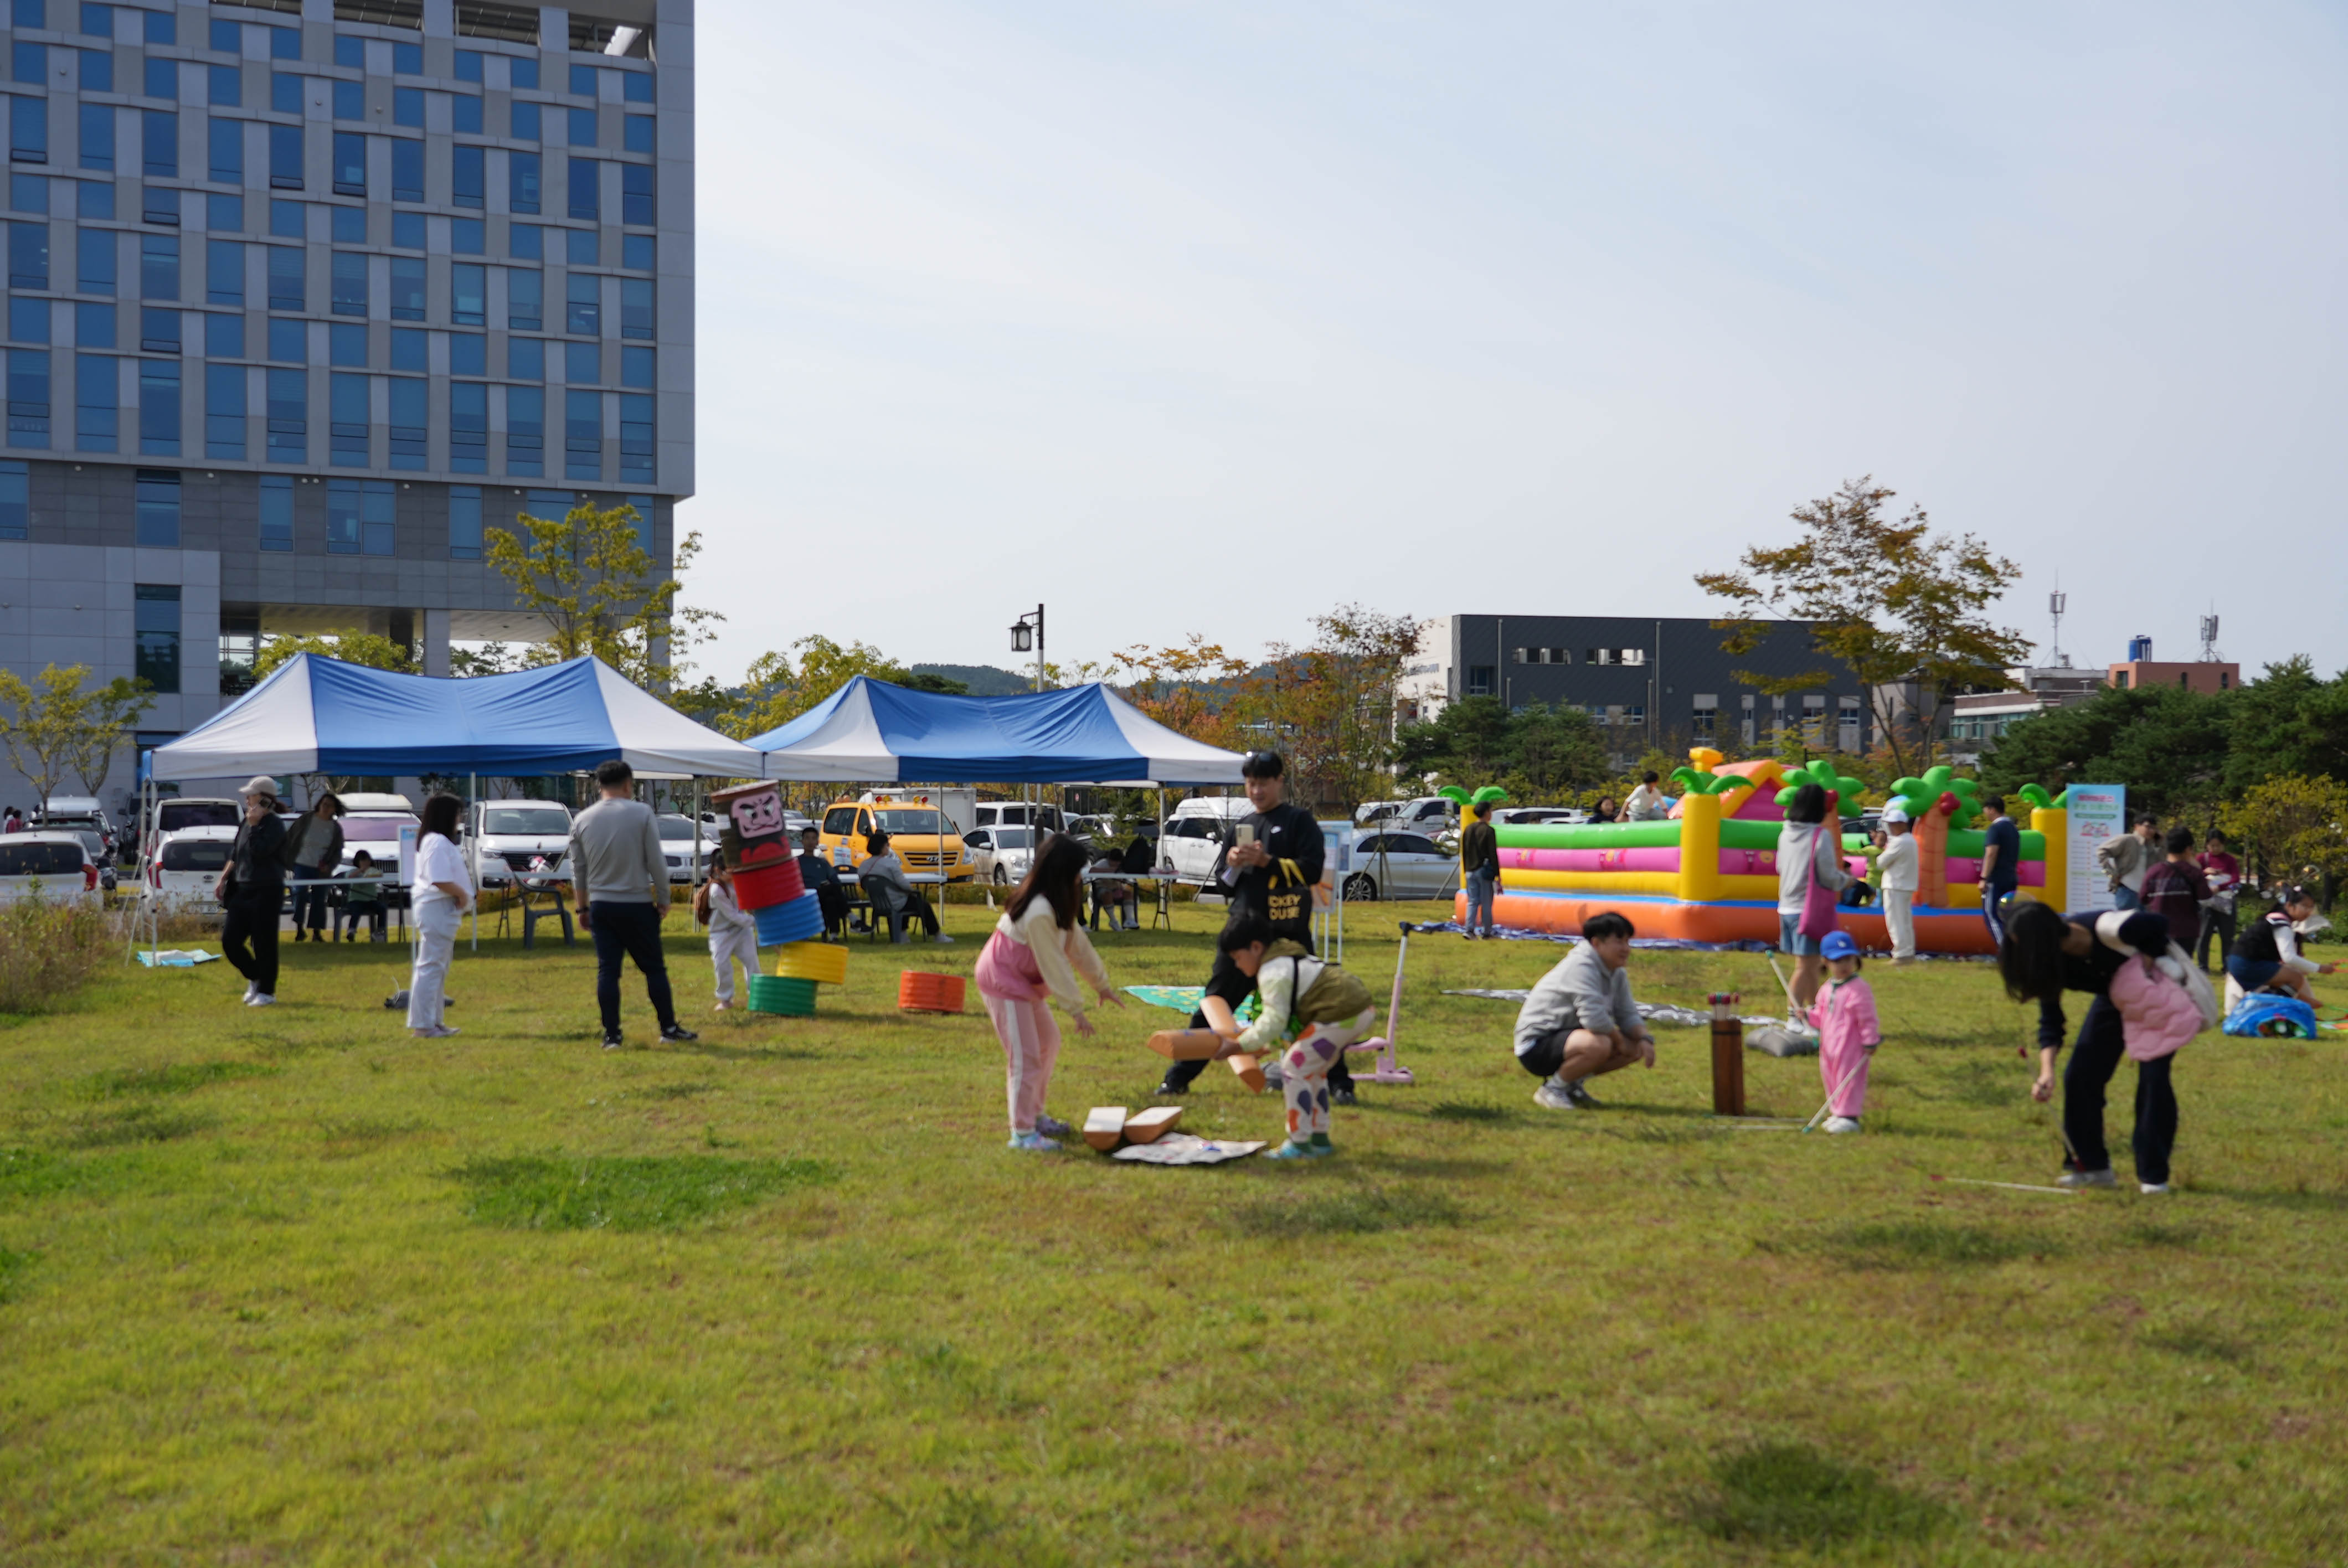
[984,680]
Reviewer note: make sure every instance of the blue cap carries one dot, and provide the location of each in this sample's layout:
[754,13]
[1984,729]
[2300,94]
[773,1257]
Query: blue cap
[1838,945]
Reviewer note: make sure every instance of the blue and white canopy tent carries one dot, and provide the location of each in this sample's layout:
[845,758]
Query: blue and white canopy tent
[320,715]
[870,730]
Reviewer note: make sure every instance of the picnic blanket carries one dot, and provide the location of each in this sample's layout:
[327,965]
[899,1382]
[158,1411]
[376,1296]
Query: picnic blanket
[1184,1000]
[178,959]
[1653,1012]
[1185,1149]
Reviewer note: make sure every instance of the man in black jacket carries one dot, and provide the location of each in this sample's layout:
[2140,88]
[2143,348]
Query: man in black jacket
[1269,875]
[252,885]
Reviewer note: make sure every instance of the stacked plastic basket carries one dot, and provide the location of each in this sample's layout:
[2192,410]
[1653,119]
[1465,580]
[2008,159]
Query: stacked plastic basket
[769,888]
[919,992]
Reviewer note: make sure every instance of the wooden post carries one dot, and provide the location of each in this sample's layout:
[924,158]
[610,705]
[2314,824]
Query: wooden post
[1727,1056]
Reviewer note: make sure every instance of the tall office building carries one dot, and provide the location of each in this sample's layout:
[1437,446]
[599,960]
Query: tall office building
[304,295]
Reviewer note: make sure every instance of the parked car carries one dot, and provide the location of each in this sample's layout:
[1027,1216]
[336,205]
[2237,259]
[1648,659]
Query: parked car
[912,833]
[175,813]
[378,834]
[1371,811]
[1003,854]
[687,851]
[186,867]
[1392,865]
[45,863]
[100,854]
[518,837]
[1521,814]
[1194,834]
[359,803]
[1016,812]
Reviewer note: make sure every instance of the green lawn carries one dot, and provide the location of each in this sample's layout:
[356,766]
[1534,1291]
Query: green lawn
[289,1286]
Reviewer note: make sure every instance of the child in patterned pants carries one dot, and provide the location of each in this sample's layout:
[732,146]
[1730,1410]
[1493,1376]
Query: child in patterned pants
[1316,1009]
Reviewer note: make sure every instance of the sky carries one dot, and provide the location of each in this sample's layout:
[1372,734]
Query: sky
[1205,317]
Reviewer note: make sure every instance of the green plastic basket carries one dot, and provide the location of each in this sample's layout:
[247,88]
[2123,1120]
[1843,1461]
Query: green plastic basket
[783,995]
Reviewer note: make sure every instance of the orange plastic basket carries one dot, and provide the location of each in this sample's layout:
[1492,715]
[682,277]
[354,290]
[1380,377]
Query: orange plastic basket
[920,992]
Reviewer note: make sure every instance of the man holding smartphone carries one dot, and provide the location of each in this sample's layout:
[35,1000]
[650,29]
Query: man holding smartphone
[250,886]
[1267,868]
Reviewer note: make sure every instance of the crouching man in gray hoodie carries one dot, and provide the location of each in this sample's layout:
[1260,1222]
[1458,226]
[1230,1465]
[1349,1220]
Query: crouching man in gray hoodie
[1581,1021]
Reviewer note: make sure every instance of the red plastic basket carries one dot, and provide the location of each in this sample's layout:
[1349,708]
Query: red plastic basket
[920,992]
[768,885]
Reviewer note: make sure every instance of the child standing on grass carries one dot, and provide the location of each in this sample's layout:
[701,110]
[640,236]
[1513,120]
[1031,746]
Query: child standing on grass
[1038,949]
[1844,1016]
[1308,1011]
[733,935]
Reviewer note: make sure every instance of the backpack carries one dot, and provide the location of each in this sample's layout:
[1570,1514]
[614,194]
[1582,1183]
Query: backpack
[2265,1013]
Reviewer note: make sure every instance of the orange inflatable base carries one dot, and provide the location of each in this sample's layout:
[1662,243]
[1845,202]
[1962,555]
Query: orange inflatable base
[1937,930]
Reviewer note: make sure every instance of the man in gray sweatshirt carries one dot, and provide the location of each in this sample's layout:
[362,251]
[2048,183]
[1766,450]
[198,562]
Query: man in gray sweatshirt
[1581,1021]
[619,878]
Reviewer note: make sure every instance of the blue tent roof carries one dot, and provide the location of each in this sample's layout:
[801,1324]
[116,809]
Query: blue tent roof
[871,730]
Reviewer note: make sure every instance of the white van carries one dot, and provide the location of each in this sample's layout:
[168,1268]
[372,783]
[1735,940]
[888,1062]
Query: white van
[47,865]
[1015,814]
[515,837]
[186,867]
[175,813]
[1194,834]
[358,803]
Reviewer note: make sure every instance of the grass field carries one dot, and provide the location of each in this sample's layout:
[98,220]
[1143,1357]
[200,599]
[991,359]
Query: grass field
[290,1286]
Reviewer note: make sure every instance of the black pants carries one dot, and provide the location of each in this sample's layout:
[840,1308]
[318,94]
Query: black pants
[349,916]
[2221,928]
[2094,1059]
[310,903]
[1234,988]
[632,931]
[249,938]
[834,904]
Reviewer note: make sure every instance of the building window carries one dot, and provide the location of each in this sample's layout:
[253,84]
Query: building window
[289,414]
[468,353]
[158,205]
[408,106]
[638,86]
[638,133]
[468,427]
[158,508]
[350,53]
[359,517]
[158,407]
[583,434]
[224,273]
[637,194]
[582,127]
[28,255]
[581,363]
[1524,656]
[526,122]
[96,71]
[525,359]
[636,308]
[15,508]
[158,145]
[157,623]
[465,116]
[582,312]
[580,248]
[464,522]
[349,171]
[349,295]
[637,251]
[223,89]
[635,436]
[526,241]
[162,27]
[224,412]
[224,149]
[469,236]
[284,93]
[346,422]
[408,431]
[525,300]
[1848,721]
[158,266]
[285,158]
[1481,680]
[96,136]
[28,130]
[407,288]
[29,397]
[525,431]
[350,100]
[586,189]
[468,176]
[469,294]
[637,367]
[523,181]
[97,395]
[407,170]
[582,81]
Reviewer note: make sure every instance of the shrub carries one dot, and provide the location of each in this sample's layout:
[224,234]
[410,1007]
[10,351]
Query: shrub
[48,950]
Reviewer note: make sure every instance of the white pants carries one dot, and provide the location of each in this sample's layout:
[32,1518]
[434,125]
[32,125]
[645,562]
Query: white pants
[727,945]
[1900,914]
[437,920]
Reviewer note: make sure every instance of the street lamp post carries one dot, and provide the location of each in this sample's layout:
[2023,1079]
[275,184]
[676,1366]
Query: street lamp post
[1027,631]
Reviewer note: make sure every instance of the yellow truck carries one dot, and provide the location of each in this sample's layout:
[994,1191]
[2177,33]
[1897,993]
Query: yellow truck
[912,823]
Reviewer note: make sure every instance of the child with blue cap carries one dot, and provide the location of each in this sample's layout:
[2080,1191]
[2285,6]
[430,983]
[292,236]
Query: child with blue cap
[1844,1016]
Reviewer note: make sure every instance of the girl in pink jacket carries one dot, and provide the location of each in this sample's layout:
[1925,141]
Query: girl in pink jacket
[1844,1017]
[1038,950]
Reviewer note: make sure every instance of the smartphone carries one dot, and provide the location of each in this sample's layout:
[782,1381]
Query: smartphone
[1244,833]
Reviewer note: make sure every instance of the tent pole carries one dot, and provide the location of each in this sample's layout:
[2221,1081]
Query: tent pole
[696,836]
[473,792]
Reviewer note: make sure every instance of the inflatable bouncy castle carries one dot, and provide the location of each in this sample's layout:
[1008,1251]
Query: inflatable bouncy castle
[1708,873]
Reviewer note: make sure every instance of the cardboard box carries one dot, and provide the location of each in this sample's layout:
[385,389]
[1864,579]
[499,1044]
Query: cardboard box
[1105,1127]
[1153,1124]
[1188,1044]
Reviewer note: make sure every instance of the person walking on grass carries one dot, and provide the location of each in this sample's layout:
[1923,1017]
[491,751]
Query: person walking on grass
[733,935]
[1307,1013]
[2000,866]
[1582,1020]
[1479,851]
[439,896]
[1809,873]
[2125,858]
[313,850]
[2175,889]
[619,879]
[1036,956]
[2046,954]
[250,886]
[1848,1032]
[2224,875]
[1897,869]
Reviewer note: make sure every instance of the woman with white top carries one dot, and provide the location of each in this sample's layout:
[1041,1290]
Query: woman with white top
[1897,871]
[439,894]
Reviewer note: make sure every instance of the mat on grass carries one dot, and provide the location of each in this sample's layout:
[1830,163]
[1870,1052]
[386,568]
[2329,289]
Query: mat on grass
[1653,1012]
[178,959]
[1183,998]
[1185,1149]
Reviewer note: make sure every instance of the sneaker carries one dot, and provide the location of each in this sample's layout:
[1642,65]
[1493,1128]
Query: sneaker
[437,1031]
[1549,1097]
[1171,1087]
[262,999]
[612,1040]
[1581,1097]
[2152,1189]
[1290,1152]
[2103,1178]
[677,1034]
[1842,1123]
[1052,1127]
[1320,1148]
[1341,1097]
[1466,936]
[250,992]
[942,937]
[1034,1143]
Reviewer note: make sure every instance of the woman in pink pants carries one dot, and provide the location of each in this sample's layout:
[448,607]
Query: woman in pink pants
[1848,1031]
[1038,949]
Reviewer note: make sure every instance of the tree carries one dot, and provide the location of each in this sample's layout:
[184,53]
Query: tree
[589,577]
[57,724]
[1541,756]
[1466,743]
[777,689]
[1330,706]
[1892,601]
[2168,746]
[2288,721]
[1187,687]
[351,647]
[2294,824]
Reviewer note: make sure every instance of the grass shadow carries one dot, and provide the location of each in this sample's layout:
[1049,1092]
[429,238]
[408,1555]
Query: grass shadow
[1355,1212]
[345,1136]
[2200,1345]
[1433,1167]
[13,1267]
[1462,1111]
[634,1193]
[138,1124]
[1929,1243]
[717,1052]
[672,1090]
[175,1078]
[1790,1495]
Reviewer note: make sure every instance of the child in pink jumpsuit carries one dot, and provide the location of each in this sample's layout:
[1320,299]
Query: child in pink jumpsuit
[1036,955]
[1844,1016]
